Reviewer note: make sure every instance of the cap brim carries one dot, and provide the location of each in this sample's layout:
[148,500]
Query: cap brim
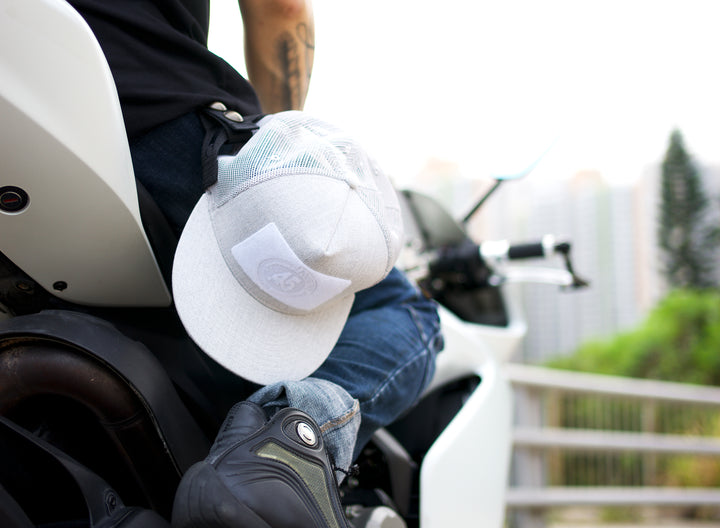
[232,327]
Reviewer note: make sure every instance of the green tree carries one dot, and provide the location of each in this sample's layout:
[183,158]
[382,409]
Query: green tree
[688,244]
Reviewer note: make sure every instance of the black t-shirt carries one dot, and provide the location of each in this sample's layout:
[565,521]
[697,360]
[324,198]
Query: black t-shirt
[157,52]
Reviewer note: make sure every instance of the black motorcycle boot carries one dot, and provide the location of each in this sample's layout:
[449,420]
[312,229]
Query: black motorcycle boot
[262,474]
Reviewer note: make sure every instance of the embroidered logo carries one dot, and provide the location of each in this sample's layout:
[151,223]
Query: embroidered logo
[284,278]
[272,265]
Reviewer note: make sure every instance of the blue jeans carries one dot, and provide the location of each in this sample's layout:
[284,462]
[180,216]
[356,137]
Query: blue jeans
[385,355]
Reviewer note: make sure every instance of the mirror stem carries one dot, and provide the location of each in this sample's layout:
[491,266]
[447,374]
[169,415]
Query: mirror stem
[481,201]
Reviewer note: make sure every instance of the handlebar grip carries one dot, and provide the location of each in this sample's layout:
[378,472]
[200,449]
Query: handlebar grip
[529,250]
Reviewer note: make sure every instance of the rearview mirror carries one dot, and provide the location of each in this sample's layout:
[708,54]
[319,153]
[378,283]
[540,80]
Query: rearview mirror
[510,162]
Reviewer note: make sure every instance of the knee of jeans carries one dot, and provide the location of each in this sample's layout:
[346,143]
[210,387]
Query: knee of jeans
[402,388]
[425,315]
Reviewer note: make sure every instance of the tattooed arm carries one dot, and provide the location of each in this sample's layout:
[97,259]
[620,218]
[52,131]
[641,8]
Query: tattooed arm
[279,46]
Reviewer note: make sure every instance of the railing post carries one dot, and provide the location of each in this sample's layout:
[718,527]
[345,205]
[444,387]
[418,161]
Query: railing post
[649,425]
[528,467]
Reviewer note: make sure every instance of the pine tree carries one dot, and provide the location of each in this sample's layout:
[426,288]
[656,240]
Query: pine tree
[687,243]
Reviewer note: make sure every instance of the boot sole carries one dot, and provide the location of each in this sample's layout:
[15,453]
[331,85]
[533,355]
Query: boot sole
[203,501]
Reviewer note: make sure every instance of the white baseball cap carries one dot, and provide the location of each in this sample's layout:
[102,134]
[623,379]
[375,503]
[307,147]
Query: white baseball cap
[268,264]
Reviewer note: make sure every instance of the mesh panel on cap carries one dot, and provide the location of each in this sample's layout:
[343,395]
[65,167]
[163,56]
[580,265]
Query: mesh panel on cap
[293,143]
[287,143]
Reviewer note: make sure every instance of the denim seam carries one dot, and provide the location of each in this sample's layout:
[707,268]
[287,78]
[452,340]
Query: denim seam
[343,420]
[426,339]
[395,373]
[423,355]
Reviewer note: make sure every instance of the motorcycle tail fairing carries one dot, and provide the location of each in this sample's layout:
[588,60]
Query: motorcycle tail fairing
[69,213]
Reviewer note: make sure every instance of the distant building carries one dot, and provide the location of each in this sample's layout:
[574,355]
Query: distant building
[601,221]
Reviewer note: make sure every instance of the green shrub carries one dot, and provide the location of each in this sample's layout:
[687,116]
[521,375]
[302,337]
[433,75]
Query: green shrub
[678,341]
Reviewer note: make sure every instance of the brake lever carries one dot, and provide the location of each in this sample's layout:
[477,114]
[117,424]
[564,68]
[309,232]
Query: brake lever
[577,282]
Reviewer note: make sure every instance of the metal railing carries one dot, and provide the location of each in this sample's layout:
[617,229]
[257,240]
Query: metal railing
[596,441]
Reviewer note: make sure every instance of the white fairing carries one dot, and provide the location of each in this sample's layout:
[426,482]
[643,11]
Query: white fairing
[62,140]
[503,342]
[464,474]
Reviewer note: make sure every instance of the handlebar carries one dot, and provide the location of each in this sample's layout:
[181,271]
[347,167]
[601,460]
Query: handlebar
[521,251]
[467,265]
[503,250]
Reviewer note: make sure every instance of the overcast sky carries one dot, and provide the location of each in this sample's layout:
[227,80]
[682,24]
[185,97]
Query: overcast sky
[466,81]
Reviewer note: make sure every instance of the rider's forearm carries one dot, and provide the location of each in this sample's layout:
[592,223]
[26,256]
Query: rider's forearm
[279,47]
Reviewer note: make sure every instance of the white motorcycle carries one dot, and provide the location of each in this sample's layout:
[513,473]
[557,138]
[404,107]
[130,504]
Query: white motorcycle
[105,401]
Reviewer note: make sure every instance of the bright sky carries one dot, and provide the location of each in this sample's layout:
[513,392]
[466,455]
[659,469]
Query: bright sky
[467,81]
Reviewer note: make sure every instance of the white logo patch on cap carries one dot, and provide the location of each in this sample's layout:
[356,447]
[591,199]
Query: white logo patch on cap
[268,260]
